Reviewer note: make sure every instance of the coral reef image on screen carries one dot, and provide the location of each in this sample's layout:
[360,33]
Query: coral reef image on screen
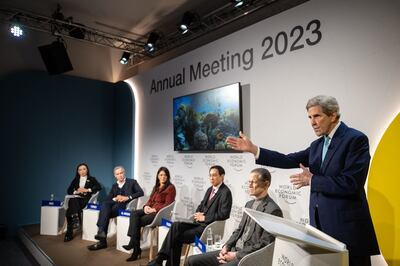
[203,121]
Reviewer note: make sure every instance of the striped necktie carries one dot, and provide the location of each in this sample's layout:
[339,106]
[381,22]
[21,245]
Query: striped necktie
[212,194]
[327,141]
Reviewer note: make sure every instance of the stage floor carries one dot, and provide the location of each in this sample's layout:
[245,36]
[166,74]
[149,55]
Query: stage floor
[76,253]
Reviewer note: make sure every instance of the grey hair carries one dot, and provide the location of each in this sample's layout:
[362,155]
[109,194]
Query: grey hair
[118,167]
[262,174]
[328,104]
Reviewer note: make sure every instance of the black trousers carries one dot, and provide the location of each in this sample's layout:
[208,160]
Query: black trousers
[208,259]
[179,234]
[137,220]
[109,209]
[75,206]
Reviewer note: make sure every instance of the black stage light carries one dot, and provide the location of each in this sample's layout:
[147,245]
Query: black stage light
[187,20]
[77,32]
[150,45]
[125,58]
[55,58]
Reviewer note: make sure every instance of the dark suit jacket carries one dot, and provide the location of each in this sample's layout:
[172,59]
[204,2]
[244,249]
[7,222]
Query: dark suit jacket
[219,208]
[337,187]
[160,199]
[91,183]
[259,238]
[130,189]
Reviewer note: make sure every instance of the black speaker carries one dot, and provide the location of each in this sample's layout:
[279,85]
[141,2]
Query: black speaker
[55,58]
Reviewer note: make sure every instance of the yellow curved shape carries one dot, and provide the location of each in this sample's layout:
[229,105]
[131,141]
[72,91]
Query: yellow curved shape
[384,193]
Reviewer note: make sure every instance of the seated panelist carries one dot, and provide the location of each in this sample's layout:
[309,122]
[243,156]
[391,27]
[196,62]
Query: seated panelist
[122,192]
[82,186]
[162,195]
[249,236]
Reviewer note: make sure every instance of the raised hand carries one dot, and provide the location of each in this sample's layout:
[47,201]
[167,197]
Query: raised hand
[243,143]
[301,179]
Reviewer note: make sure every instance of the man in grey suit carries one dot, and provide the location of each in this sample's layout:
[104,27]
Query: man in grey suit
[249,236]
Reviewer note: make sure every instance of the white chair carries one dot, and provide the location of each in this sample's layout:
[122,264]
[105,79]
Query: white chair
[262,256]
[93,199]
[132,205]
[217,228]
[166,213]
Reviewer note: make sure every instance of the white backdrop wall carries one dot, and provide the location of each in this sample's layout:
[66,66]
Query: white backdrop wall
[357,60]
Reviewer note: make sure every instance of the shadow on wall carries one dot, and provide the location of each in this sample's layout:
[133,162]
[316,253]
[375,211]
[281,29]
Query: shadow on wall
[49,125]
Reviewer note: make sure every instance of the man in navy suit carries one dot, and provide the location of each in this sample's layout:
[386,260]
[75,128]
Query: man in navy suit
[335,166]
[122,192]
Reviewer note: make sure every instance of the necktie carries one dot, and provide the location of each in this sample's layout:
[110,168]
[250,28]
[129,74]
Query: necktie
[327,141]
[212,194]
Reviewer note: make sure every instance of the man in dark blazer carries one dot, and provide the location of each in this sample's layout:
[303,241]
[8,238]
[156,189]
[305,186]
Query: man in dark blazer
[249,236]
[122,192]
[215,206]
[338,165]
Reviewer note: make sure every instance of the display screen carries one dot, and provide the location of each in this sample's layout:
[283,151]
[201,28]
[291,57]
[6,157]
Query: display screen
[203,120]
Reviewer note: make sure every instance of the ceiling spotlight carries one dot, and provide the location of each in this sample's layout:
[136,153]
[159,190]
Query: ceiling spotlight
[238,3]
[16,30]
[125,58]
[150,45]
[187,20]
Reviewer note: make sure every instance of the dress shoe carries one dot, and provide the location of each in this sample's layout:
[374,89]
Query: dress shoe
[97,246]
[68,235]
[127,247]
[155,262]
[135,255]
[101,235]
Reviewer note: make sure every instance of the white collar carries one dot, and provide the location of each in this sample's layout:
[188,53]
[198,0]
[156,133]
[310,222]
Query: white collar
[332,133]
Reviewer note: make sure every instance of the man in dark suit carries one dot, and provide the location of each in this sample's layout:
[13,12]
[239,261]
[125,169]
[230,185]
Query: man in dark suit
[215,206]
[249,236]
[338,165]
[122,192]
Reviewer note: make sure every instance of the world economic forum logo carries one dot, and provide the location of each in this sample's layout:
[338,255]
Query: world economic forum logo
[155,160]
[147,177]
[198,183]
[288,193]
[285,261]
[188,160]
[210,160]
[178,180]
[170,160]
[237,162]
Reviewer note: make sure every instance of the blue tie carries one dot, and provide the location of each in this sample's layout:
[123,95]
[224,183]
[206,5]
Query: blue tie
[327,141]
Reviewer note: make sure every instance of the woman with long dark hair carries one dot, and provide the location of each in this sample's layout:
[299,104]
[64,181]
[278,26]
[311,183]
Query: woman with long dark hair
[82,187]
[162,195]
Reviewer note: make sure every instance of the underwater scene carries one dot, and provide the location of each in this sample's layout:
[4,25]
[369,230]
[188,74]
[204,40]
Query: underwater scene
[203,121]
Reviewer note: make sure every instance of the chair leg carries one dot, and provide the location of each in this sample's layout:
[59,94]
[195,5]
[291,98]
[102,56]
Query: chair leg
[186,253]
[151,255]
[63,228]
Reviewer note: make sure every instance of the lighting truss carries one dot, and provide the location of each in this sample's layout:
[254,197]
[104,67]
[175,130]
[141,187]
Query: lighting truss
[60,28]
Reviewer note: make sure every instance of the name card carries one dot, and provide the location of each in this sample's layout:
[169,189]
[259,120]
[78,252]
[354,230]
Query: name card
[124,213]
[93,206]
[51,203]
[199,244]
[166,222]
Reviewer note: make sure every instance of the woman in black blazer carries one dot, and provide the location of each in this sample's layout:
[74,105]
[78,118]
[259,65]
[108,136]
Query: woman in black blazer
[82,186]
